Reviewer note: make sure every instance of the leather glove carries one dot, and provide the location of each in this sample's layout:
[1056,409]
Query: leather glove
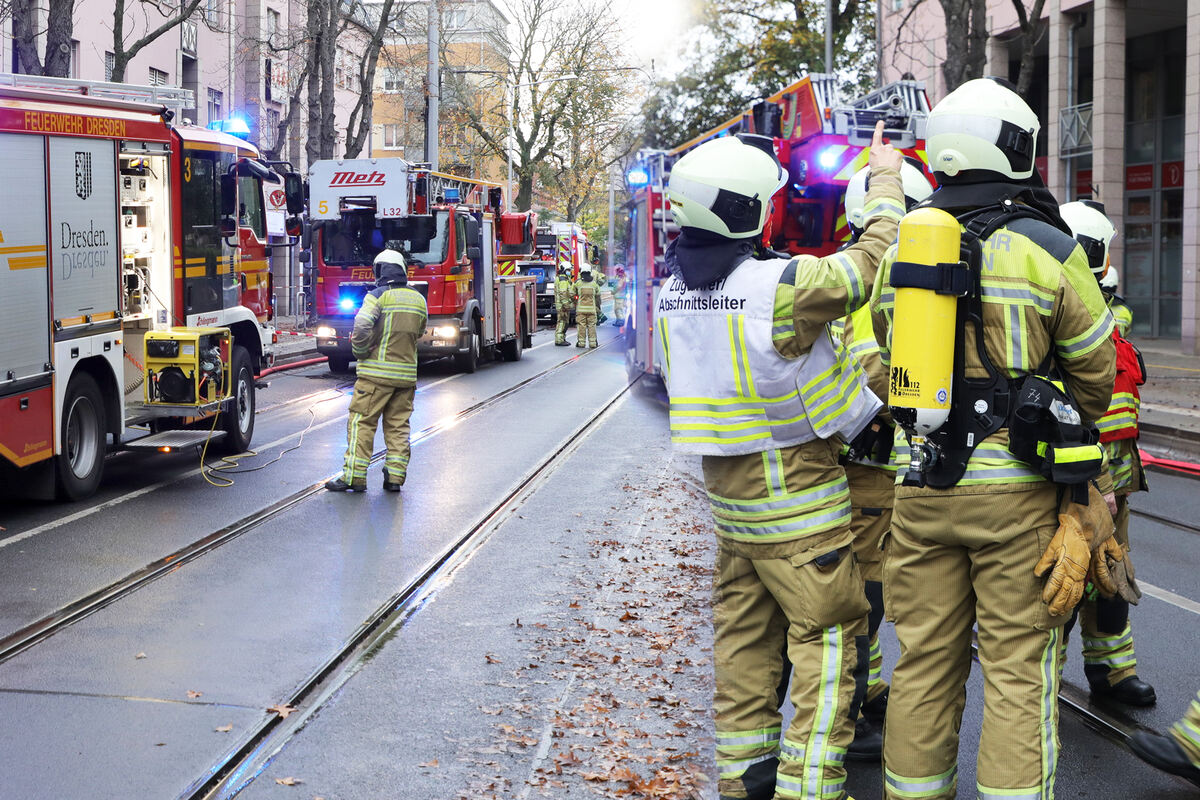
[1112,573]
[1067,559]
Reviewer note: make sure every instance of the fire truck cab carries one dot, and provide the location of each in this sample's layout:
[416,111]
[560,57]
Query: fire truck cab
[135,288]
[450,231]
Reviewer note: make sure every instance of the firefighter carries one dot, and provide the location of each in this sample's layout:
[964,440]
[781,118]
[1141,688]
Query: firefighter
[766,395]
[564,303]
[384,341]
[871,470]
[587,305]
[1108,655]
[619,286]
[1179,751]
[966,548]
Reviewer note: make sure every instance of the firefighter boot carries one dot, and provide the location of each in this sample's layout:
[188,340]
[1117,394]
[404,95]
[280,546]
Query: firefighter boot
[339,485]
[875,710]
[756,783]
[1132,691]
[388,484]
[1165,753]
[867,744]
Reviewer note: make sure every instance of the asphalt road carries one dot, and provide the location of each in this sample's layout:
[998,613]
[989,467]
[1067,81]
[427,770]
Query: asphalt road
[145,697]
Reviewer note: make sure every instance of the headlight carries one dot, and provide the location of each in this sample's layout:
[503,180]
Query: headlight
[326,332]
[446,331]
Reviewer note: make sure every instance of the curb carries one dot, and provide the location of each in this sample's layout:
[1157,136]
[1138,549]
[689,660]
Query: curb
[1169,442]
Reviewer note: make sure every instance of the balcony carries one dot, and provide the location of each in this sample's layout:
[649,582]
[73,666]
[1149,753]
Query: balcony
[1075,131]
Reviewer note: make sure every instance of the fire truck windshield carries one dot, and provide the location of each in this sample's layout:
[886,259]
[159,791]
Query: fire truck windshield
[358,237]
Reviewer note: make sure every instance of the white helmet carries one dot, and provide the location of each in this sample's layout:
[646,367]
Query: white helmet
[916,189]
[982,125]
[1111,281]
[725,186]
[1092,229]
[392,257]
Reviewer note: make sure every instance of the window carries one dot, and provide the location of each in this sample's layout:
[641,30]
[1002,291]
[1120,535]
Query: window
[213,12]
[214,105]
[110,61]
[158,77]
[267,80]
[392,80]
[269,134]
[455,18]
[897,5]
[250,205]
[272,27]
[392,136]
[74,68]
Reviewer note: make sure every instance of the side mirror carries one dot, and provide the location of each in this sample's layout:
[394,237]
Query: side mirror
[304,256]
[229,195]
[293,187]
[474,252]
[228,227]
[472,228]
[294,226]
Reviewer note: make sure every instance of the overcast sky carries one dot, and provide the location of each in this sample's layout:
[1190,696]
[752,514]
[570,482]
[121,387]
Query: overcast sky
[653,28]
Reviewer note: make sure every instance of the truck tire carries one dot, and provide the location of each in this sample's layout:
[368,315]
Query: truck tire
[468,362]
[339,364]
[238,420]
[512,349]
[80,465]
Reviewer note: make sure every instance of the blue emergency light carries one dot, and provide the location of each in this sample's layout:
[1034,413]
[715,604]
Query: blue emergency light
[827,158]
[637,177]
[234,126]
[346,304]
[451,194]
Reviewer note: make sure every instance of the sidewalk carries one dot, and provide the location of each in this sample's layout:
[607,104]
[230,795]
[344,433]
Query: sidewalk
[1170,418]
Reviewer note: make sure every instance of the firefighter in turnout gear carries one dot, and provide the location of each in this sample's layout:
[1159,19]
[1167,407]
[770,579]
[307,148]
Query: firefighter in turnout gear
[564,303]
[1179,751]
[587,305]
[384,341]
[965,543]
[618,289]
[1108,654]
[871,470]
[760,388]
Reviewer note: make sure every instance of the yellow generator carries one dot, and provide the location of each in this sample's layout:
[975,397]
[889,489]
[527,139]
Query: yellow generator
[187,366]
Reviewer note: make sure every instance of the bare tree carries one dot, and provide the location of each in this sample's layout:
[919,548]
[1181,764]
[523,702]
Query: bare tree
[124,53]
[59,31]
[1032,27]
[358,128]
[550,40]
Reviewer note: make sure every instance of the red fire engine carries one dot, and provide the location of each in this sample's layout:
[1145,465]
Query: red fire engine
[820,145]
[135,287]
[446,227]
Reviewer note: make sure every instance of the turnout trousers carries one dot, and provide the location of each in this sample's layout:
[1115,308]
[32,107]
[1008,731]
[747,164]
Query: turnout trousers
[371,402]
[954,561]
[758,605]
[1187,732]
[586,328]
[563,316]
[872,493]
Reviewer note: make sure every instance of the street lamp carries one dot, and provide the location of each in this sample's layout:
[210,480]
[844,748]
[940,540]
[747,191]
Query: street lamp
[512,133]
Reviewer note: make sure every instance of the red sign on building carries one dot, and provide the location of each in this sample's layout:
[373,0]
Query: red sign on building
[1083,183]
[1172,175]
[1139,178]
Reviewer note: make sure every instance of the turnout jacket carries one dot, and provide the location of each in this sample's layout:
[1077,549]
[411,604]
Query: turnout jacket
[386,330]
[587,294]
[564,297]
[773,479]
[1124,462]
[1039,298]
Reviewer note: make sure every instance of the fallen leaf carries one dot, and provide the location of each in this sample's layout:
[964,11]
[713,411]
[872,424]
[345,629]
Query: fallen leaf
[288,781]
[491,659]
[192,695]
[160,744]
[224,728]
[140,655]
[629,616]
[283,709]
[432,763]
[593,776]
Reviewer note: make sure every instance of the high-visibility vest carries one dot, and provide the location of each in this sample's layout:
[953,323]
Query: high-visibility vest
[1121,419]
[731,391]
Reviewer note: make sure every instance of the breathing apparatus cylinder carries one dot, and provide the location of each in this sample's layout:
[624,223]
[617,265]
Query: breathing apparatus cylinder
[924,328]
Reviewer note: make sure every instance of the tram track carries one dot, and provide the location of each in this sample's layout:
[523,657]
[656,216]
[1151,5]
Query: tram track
[244,762]
[30,635]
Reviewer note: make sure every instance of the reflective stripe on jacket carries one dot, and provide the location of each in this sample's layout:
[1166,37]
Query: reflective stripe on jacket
[386,330]
[588,296]
[735,393]
[1120,421]
[563,296]
[1038,297]
[858,334]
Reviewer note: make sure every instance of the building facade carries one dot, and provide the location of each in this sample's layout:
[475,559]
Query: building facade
[1117,86]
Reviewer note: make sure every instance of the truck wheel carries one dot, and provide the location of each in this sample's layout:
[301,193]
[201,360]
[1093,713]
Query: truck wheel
[512,349]
[339,364]
[468,361]
[80,465]
[238,420]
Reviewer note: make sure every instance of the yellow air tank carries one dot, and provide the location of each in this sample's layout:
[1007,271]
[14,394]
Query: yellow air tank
[923,326]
